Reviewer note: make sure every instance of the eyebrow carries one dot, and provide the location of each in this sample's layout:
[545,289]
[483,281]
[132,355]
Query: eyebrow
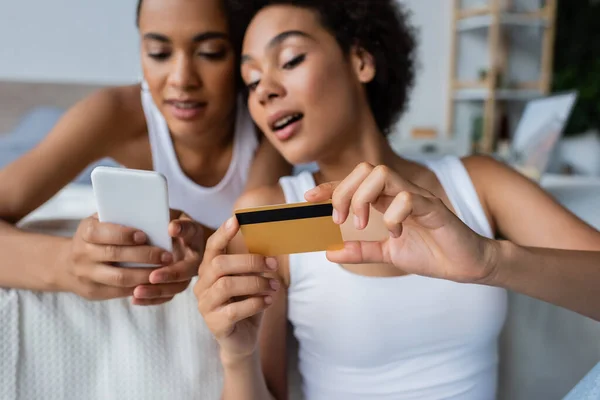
[277,40]
[198,38]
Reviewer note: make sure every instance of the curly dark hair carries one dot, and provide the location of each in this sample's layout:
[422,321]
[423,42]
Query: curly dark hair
[380,27]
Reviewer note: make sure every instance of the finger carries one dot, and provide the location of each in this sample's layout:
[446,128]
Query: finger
[178,272]
[342,196]
[189,231]
[146,292]
[400,209]
[230,287]
[323,192]
[129,254]
[150,302]
[97,292]
[240,310]
[96,232]
[235,264]
[240,264]
[118,277]
[218,241]
[359,253]
[379,189]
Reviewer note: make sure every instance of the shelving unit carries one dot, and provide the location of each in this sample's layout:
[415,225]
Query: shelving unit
[512,41]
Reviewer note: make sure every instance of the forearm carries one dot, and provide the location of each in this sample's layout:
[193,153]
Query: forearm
[244,380]
[27,258]
[566,278]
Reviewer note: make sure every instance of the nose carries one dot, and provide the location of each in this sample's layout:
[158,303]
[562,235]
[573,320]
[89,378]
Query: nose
[269,89]
[183,74]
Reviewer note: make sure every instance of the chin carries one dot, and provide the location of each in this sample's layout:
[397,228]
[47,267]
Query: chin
[297,155]
[186,130]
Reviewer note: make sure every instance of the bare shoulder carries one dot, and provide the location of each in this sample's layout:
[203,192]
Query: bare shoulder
[490,175]
[120,107]
[261,196]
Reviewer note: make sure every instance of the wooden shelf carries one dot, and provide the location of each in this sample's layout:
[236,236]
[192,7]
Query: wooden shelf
[499,94]
[524,20]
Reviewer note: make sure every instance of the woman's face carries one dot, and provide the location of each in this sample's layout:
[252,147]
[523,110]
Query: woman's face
[188,62]
[304,93]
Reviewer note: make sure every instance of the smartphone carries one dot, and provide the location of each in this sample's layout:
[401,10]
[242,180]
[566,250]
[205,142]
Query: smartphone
[136,199]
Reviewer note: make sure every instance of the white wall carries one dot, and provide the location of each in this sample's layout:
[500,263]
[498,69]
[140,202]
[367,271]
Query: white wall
[96,42]
[428,106]
[89,41]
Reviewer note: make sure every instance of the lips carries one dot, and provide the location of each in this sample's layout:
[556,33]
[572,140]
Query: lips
[285,124]
[185,109]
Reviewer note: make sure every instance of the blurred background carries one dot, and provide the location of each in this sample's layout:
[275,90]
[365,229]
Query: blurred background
[481,63]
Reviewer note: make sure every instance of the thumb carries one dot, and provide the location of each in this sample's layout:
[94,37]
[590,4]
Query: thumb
[359,253]
[218,241]
[321,193]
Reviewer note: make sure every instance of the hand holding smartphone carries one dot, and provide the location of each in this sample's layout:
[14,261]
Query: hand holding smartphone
[134,198]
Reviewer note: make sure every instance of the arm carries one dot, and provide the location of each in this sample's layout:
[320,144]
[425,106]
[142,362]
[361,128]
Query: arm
[86,133]
[551,254]
[264,374]
[267,167]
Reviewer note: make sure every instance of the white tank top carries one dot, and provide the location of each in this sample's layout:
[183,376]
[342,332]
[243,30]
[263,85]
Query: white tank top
[395,338]
[210,206]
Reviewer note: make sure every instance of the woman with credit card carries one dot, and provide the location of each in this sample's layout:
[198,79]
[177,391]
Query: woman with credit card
[326,81]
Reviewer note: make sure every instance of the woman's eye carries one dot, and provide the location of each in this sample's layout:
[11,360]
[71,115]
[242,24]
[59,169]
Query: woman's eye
[215,55]
[252,86]
[294,62]
[159,56]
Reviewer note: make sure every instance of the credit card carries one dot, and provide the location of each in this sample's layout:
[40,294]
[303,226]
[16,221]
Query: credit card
[289,229]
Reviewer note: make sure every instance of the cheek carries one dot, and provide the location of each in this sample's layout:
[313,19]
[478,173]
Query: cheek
[218,78]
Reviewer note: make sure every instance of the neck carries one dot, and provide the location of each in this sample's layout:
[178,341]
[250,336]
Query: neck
[365,144]
[205,160]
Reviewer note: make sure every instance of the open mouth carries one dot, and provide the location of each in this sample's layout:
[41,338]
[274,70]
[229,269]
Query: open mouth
[284,122]
[186,105]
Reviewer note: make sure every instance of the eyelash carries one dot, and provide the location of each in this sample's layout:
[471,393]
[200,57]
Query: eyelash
[294,62]
[288,65]
[210,56]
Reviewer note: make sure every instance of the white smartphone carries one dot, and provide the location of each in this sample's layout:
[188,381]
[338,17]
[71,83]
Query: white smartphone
[134,198]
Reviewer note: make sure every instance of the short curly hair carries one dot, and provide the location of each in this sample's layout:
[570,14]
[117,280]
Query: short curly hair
[380,27]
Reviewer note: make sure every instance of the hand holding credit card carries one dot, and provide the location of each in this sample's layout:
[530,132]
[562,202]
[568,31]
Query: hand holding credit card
[289,229]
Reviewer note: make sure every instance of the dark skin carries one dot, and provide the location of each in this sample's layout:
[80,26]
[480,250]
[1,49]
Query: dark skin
[186,57]
[550,253]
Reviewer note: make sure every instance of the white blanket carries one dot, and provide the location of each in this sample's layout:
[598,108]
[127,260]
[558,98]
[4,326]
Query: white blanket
[59,346]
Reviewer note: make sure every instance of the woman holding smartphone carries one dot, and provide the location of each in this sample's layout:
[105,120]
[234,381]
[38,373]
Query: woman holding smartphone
[186,121]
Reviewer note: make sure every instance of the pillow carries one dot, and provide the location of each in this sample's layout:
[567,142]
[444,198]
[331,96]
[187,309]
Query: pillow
[29,131]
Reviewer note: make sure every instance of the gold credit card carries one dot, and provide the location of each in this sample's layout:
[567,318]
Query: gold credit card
[290,229]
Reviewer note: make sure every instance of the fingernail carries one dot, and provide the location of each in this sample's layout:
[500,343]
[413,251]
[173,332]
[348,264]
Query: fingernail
[275,285]
[139,237]
[140,293]
[271,263]
[161,278]
[394,235]
[268,300]
[336,216]
[229,223]
[357,223]
[166,258]
[177,229]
